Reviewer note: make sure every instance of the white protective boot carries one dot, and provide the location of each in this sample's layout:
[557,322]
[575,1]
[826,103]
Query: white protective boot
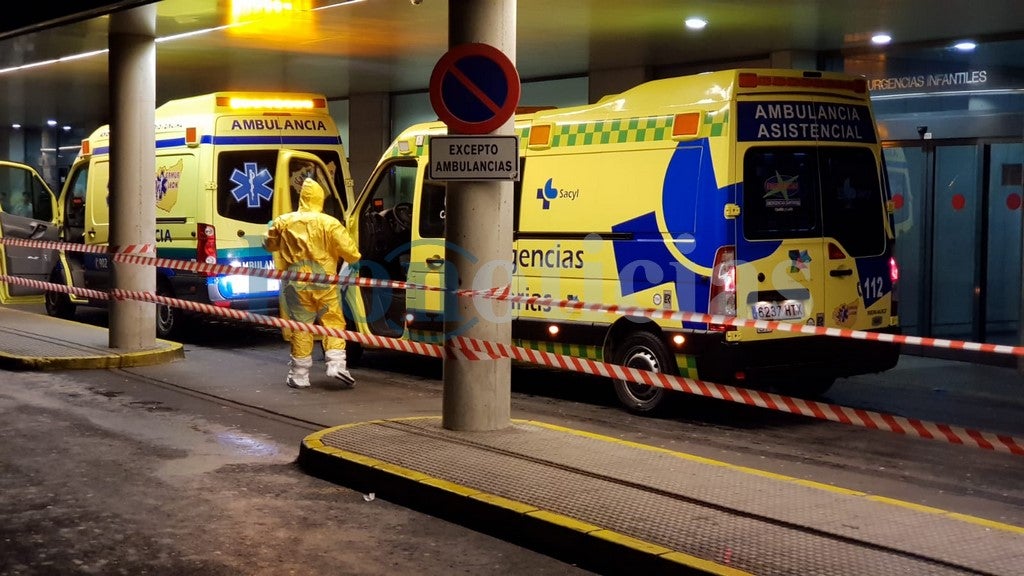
[298,372]
[336,366]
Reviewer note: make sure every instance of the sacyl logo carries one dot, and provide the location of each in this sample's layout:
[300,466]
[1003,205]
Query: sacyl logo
[549,193]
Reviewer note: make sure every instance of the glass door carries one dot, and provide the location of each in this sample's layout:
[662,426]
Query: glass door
[1003,270]
[958,238]
[955,243]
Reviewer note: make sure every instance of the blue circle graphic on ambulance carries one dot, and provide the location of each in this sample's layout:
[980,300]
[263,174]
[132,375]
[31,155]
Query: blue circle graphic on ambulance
[252,184]
[692,206]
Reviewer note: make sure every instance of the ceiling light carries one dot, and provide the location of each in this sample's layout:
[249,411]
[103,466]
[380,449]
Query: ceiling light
[881,39]
[965,46]
[51,122]
[696,23]
[16,126]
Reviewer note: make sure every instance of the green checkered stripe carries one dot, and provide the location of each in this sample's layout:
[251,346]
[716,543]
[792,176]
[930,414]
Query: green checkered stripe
[612,131]
[716,123]
[574,350]
[687,364]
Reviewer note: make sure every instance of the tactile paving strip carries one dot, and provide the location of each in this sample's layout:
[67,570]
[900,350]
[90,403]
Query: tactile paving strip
[756,522]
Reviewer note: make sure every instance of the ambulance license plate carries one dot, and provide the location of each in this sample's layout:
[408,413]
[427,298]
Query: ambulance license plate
[785,310]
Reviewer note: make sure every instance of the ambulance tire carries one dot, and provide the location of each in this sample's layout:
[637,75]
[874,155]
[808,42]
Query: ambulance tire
[170,321]
[644,351]
[59,304]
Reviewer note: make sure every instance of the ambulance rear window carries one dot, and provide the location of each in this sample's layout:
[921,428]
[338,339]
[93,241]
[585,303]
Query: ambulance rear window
[245,184]
[805,192]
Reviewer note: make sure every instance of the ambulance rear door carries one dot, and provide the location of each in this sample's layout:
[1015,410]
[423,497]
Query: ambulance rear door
[779,246]
[813,217]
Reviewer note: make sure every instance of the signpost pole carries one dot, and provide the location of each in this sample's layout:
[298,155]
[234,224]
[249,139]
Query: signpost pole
[477,394]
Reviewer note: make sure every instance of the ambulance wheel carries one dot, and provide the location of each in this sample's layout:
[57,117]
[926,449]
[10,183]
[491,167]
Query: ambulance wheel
[58,304]
[644,351]
[170,321]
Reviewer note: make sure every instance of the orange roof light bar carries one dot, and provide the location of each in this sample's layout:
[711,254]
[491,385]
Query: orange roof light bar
[283,103]
[754,80]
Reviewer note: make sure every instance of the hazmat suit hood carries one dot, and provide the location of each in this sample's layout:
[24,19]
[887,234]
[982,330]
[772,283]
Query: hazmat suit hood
[311,196]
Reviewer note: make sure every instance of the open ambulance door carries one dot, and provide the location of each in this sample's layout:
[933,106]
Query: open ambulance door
[28,211]
[387,226]
[293,167]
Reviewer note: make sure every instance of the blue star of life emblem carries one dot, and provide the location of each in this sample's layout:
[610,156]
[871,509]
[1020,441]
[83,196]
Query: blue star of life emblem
[252,184]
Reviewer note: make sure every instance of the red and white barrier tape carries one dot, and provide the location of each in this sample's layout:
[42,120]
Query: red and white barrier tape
[504,293]
[473,350]
[433,350]
[69,247]
[143,254]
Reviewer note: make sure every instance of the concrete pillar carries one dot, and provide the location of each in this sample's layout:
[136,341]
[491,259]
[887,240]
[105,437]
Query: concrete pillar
[369,129]
[794,59]
[477,395]
[605,82]
[132,169]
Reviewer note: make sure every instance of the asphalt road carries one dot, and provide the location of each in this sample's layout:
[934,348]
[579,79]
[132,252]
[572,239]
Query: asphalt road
[94,480]
[188,467]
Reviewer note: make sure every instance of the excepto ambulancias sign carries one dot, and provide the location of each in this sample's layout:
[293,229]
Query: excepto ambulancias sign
[473,158]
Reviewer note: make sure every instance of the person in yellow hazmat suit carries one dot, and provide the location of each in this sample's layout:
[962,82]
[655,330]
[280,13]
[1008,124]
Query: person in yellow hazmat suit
[308,240]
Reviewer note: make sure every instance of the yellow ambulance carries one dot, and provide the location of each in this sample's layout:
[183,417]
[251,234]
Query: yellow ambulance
[756,194]
[214,186]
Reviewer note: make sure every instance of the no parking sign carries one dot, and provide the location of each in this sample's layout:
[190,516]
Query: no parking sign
[474,89]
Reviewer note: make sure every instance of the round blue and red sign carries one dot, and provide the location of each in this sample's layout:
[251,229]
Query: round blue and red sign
[474,89]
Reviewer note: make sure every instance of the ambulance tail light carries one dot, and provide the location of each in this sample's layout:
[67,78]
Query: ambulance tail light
[722,299]
[835,252]
[191,137]
[894,275]
[206,245]
[86,150]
